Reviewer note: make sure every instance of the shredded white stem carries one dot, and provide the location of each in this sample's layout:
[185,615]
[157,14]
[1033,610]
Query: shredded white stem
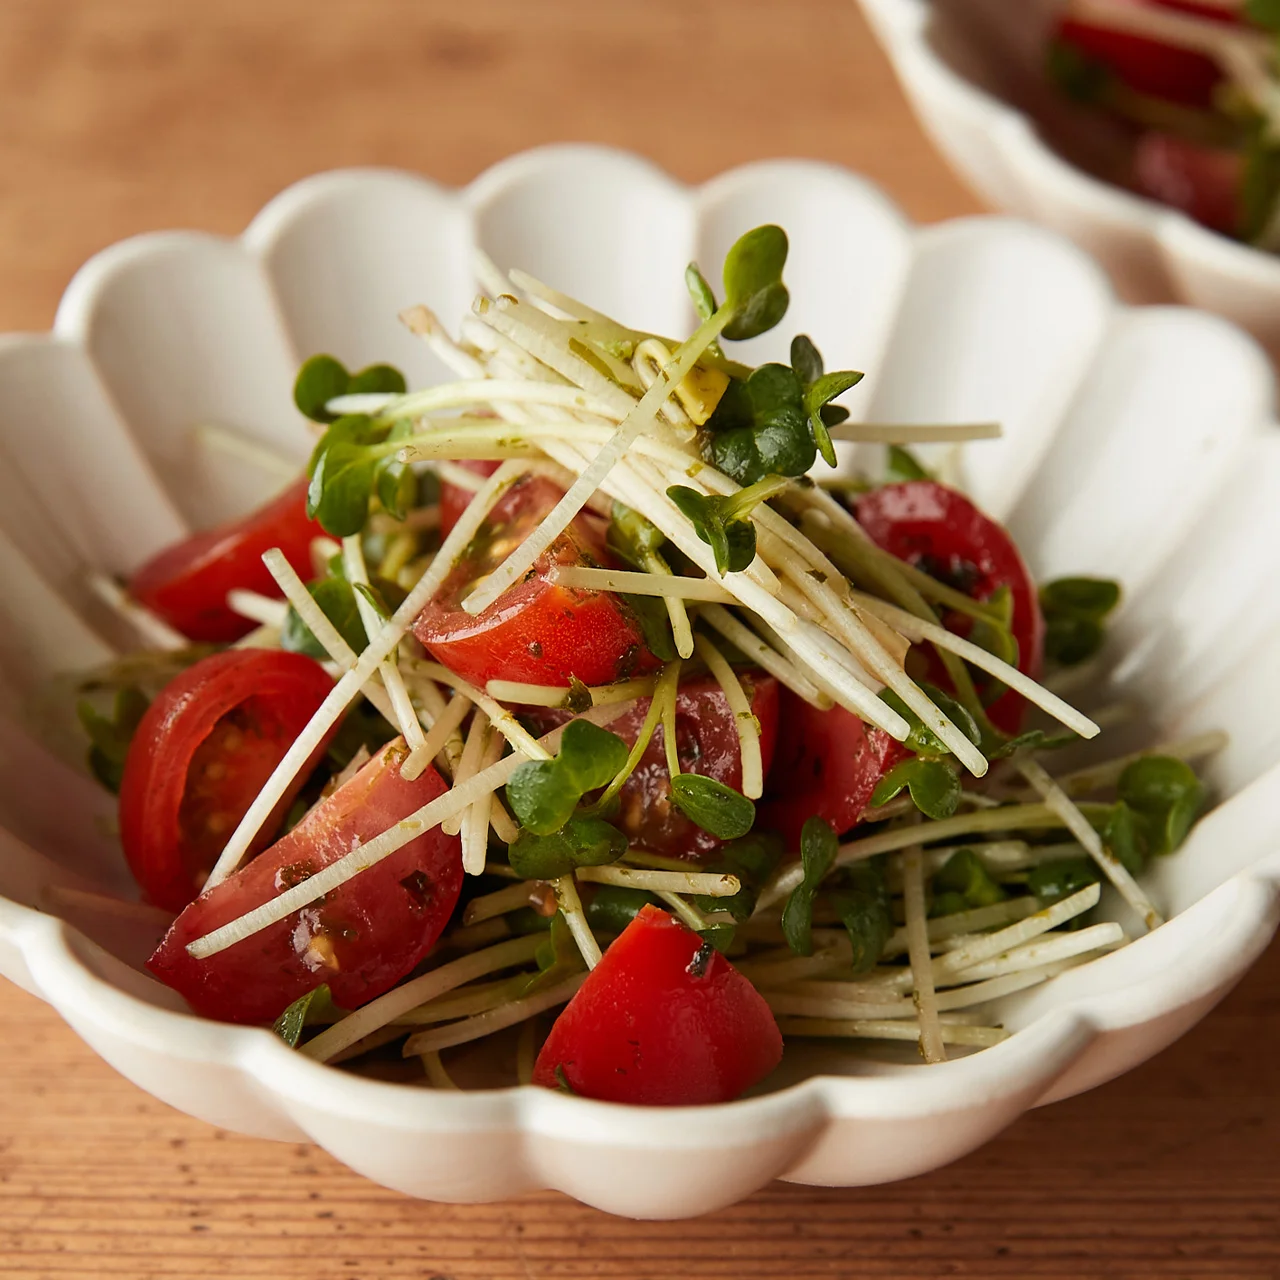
[355,679]
[942,927]
[1047,950]
[468,767]
[509,898]
[154,632]
[576,918]
[868,1029]
[475,820]
[257,608]
[704,883]
[746,640]
[417,991]
[437,1076]
[744,719]
[546,695]
[484,1024]
[926,1001]
[1060,803]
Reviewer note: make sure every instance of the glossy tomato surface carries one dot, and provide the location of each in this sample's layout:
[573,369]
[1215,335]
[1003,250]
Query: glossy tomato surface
[1206,183]
[663,1019]
[360,939]
[537,631]
[826,765]
[187,584]
[941,532]
[201,754]
[706,743]
[454,499]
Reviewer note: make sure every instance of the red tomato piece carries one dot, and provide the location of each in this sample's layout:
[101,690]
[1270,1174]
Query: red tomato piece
[202,752]
[454,499]
[361,938]
[537,632]
[706,743]
[663,1020]
[1206,183]
[187,584]
[826,765]
[942,532]
[1145,65]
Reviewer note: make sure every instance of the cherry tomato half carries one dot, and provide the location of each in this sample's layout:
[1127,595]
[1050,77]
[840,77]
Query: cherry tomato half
[187,584]
[360,939]
[706,743]
[826,765]
[1206,183]
[537,632]
[454,499]
[1145,65]
[663,1019]
[202,752]
[942,532]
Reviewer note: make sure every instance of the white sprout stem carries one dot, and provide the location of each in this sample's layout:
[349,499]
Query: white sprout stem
[806,1006]
[501,719]
[475,820]
[235,445]
[926,1001]
[782,669]
[354,680]
[317,621]
[642,418]
[400,1000]
[915,432]
[919,631]
[462,1003]
[510,897]
[154,632]
[455,395]
[571,906]
[425,324]
[261,609]
[483,1024]
[994,988]
[942,927]
[445,726]
[406,717]
[703,883]
[744,719]
[989,945]
[1107,772]
[437,1076]
[550,695]
[1009,818]
[1056,799]
[1047,950]
[644,584]
[688,913]
[887,1029]
[468,768]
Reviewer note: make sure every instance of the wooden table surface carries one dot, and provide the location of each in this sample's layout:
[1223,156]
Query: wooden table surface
[132,115]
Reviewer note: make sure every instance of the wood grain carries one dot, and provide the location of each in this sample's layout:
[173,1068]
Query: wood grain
[139,114]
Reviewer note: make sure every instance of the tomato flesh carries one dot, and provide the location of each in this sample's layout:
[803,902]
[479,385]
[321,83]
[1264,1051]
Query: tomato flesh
[662,1020]
[941,532]
[826,765]
[1206,183]
[454,499]
[706,743]
[201,754]
[360,939]
[537,632]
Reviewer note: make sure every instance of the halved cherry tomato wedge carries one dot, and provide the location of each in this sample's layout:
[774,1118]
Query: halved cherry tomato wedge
[187,584]
[826,765]
[942,532]
[202,752]
[360,939]
[706,743]
[454,499]
[1144,64]
[663,1019]
[537,632]
[1206,183]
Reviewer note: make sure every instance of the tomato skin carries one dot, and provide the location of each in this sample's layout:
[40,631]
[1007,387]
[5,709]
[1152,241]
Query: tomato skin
[706,743]
[1145,65]
[187,584]
[201,754]
[1206,183]
[536,632]
[361,939]
[662,1020]
[454,499]
[826,765]
[940,530]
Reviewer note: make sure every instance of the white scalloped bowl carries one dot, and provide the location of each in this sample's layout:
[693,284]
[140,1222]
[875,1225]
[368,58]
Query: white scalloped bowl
[1139,444]
[965,64]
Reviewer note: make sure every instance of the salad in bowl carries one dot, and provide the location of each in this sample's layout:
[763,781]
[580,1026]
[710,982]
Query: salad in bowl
[587,708]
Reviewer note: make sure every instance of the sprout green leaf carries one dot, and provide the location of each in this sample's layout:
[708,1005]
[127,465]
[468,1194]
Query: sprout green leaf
[818,849]
[544,793]
[860,898]
[109,738]
[963,883]
[753,287]
[313,1009]
[934,787]
[580,842]
[323,378]
[716,808]
[1167,794]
